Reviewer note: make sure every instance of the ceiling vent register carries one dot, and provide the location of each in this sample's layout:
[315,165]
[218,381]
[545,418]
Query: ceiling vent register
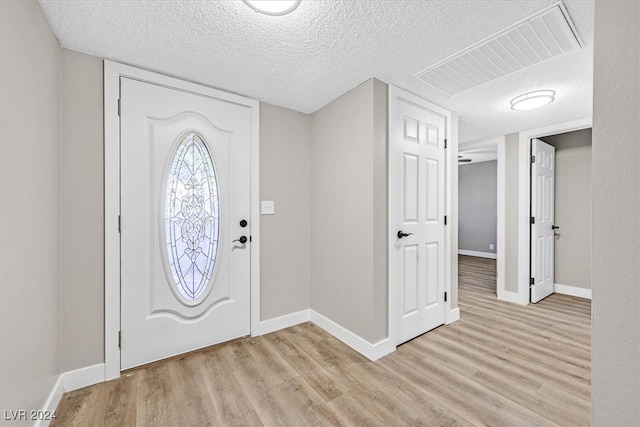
[540,37]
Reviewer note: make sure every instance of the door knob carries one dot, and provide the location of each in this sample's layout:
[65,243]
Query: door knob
[401,234]
[554,227]
[242,239]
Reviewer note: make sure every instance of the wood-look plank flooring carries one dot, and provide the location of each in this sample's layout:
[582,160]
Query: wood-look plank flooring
[502,365]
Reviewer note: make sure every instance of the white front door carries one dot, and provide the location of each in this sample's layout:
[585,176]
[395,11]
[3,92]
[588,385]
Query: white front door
[416,217]
[185,192]
[542,211]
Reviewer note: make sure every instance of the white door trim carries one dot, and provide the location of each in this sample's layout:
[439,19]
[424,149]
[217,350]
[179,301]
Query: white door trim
[524,195]
[112,73]
[450,314]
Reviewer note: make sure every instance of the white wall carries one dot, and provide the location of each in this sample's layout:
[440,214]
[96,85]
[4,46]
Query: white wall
[29,207]
[616,215]
[348,285]
[285,178]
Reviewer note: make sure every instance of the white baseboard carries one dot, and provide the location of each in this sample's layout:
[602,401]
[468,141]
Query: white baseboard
[84,377]
[51,404]
[510,297]
[69,381]
[370,351]
[451,316]
[572,290]
[478,254]
[282,322]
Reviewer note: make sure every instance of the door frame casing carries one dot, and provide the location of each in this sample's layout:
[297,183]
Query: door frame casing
[450,315]
[524,195]
[112,73]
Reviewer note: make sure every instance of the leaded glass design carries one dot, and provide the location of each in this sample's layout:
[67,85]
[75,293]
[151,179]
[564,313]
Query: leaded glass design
[192,217]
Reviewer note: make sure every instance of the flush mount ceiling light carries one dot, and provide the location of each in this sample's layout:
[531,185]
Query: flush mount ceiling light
[531,100]
[273,7]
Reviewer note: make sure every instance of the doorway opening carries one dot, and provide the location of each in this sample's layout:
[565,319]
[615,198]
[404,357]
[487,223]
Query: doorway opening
[521,233]
[512,250]
[478,205]
[569,263]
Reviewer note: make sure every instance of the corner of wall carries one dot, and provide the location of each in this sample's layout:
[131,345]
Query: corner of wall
[380,208]
[285,238]
[348,180]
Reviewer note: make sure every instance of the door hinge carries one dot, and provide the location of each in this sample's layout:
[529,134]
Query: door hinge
[445,143]
[119,106]
[533,159]
[119,339]
[532,220]
[532,280]
[445,220]
[445,297]
[119,224]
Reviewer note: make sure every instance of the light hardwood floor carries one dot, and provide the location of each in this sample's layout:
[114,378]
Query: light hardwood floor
[502,365]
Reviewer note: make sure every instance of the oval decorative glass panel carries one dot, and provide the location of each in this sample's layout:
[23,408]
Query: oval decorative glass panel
[192,217]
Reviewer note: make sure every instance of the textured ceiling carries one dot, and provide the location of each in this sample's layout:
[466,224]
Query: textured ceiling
[325,48]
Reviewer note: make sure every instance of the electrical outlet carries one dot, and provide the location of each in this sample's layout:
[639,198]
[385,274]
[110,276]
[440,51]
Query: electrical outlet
[267,207]
[491,246]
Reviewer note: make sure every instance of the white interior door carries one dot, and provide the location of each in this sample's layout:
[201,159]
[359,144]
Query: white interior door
[542,211]
[416,218]
[185,188]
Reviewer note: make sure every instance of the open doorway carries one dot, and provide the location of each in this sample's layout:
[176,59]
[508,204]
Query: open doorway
[478,209]
[512,249]
[518,268]
[570,268]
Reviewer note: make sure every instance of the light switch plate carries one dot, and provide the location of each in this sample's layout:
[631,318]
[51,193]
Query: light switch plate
[267,207]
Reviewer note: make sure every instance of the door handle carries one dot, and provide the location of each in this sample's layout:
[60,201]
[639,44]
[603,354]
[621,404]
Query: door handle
[242,239]
[401,234]
[554,227]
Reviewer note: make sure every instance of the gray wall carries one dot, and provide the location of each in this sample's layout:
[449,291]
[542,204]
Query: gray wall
[347,284]
[285,177]
[478,206]
[573,208]
[81,219]
[380,207]
[511,161]
[29,206]
[615,376]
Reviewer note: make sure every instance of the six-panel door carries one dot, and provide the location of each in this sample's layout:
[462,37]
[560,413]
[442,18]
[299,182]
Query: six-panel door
[420,156]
